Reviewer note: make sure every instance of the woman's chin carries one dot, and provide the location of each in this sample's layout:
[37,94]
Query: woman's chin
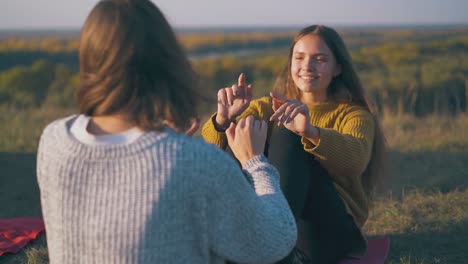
[310,89]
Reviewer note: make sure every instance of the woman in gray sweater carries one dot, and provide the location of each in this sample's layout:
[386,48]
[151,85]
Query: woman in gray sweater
[121,183]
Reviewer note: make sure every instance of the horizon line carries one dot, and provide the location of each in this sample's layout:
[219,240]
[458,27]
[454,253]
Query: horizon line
[264,27]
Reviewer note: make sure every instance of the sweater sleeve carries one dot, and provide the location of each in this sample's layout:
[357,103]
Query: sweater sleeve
[41,163]
[245,224]
[346,150]
[260,109]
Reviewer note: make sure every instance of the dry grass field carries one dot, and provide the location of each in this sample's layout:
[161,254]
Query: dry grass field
[423,206]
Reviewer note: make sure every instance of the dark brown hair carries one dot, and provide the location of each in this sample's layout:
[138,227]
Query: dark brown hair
[344,87]
[131,64]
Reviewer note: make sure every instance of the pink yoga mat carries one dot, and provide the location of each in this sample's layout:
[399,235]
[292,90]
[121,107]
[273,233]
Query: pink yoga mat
[15,233]
[377,252]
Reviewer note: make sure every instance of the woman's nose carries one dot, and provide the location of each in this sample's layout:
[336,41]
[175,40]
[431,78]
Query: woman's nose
[309,64]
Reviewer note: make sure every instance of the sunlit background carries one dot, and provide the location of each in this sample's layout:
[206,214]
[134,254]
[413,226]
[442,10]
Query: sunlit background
[412,58]
[26,14]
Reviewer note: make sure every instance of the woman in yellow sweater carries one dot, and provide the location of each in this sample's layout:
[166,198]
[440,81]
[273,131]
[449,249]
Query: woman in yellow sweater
[322,137]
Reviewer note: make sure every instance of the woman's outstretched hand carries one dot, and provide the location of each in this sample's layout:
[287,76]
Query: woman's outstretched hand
[247,138]
[292,114]
[232,101]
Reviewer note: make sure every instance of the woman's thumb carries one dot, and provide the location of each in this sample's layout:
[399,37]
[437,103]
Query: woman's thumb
[277,100]
[231,132]
[278,97]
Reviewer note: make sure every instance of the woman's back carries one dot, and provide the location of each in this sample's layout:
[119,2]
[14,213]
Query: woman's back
[165,198]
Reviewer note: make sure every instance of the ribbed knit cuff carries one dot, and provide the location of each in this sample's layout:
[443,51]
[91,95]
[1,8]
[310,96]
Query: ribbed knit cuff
[321,149]
[254,161]
[211,135]
[262,175]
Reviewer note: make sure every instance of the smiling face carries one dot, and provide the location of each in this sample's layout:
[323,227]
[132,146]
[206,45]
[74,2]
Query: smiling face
[313,67]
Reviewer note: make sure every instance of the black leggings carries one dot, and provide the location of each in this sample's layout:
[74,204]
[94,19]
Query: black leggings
[326,232]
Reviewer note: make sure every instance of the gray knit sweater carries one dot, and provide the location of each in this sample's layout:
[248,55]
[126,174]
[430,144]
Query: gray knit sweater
[165,198]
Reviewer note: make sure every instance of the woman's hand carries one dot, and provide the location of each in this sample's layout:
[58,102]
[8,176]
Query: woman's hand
[293,115]
[247,138]
[232,101]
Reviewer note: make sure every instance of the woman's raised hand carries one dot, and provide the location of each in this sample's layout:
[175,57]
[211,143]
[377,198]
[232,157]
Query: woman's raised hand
[293,114]
[232,101]
[247,138]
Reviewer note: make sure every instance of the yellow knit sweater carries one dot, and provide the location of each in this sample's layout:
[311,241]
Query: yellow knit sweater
[344,148]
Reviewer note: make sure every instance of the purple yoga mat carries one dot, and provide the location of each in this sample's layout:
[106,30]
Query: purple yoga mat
[377,252]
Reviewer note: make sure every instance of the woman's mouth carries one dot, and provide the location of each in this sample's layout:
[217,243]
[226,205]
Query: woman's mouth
[308,78]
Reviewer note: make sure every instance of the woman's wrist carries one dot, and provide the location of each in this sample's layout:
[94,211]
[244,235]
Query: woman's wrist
[254,159]
[312,134]
[220,124]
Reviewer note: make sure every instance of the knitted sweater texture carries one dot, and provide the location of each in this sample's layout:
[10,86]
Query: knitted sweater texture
[165,198]
[344,149]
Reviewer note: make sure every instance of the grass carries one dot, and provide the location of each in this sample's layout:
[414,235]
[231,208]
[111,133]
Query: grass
[423,209]
[34,253]
[429,134]
[21,128]
[424,227]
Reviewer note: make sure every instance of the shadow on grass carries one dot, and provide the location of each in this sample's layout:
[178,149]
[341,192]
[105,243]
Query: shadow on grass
[19,191]
[441,171]
[438,247]
[447,246]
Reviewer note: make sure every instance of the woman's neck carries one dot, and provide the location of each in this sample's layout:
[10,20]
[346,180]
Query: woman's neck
[311,98]
[111,124]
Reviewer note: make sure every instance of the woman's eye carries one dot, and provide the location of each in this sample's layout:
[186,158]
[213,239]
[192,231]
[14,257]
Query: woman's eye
[321,60]
[298,58]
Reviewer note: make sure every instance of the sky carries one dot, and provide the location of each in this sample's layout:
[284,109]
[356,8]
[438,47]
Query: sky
[70,14]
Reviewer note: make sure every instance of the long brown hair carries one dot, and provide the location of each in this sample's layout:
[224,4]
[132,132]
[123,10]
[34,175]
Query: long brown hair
[344,87]
[131,64]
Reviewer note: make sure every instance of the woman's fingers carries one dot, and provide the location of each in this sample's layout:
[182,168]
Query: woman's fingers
[287,113]
[238,92]
[277,100]
[279,97]
[222,96]
[302,109]
[231,133]
[249,92]
[248,139]
[257,125]
[242,91]
[241,123]
[276,104]
[279,111]
[249,122]
[241,80]
[230,94]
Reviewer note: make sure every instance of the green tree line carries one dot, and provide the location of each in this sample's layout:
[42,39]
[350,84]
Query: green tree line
[61,47]
[413,77]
